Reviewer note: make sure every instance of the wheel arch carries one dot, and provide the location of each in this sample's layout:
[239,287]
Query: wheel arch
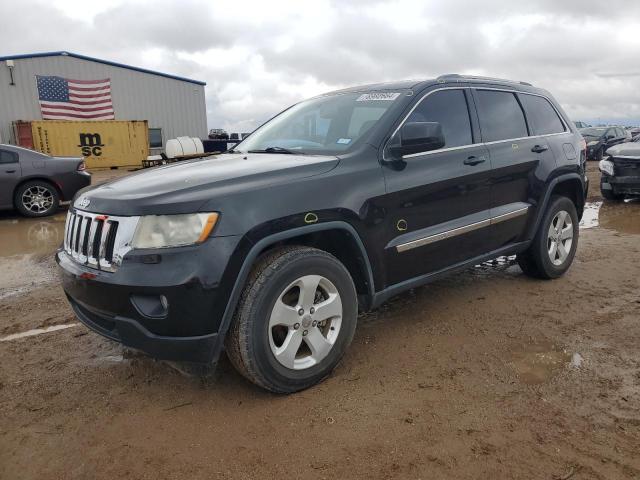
[323,236]
[569,185]
[39,179]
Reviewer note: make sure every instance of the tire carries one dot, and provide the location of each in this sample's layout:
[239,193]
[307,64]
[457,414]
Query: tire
[36,199]
[608,194]
[267,324]
[541,259]
[600,154]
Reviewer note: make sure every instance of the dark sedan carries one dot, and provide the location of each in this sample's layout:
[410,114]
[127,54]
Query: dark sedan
[600,138]
[35,183]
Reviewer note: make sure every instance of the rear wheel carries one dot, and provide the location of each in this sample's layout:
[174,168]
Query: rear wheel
[600,154]
[36,199]
[553,248]
[296,317]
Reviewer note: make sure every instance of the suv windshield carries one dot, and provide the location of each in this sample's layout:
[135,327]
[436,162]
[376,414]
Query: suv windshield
[592,132]
[323,125]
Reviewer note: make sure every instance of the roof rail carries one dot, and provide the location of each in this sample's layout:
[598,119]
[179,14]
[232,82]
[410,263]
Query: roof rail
[451,76]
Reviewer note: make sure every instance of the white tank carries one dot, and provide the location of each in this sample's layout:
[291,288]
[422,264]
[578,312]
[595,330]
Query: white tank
[181,146]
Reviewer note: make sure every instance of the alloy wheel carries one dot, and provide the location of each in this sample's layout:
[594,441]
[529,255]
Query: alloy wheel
[560,238]
[305,322]
[37,199]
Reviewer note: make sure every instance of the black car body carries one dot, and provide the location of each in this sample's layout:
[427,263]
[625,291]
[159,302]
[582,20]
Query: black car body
[396,216]
[621,171]
[599,139]
[50,179]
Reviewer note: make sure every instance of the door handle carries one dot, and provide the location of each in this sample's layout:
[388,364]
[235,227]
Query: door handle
[10,171]
[539,148]
[473,160]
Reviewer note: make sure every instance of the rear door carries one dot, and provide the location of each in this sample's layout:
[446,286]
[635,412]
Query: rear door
[519,161]
[9,176]
[438,201]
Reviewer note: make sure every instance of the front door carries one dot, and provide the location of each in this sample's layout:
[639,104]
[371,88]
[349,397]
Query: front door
[9,176]
[437,201]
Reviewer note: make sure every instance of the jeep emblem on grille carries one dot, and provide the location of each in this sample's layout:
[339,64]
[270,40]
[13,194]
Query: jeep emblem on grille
[84,202]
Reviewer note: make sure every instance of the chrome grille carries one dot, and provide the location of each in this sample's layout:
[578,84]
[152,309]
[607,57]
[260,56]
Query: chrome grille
[98,241]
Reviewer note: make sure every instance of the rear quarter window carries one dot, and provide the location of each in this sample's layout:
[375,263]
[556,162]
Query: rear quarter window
[500,114]
[543,118]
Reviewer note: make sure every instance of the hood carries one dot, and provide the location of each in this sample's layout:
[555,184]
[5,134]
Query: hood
[630,149]
[186,186]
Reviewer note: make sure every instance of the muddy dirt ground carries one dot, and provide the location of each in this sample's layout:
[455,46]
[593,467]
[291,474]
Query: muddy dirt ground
[487,374]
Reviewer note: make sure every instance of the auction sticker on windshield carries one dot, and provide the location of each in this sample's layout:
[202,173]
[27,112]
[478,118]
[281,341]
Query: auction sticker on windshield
[373,97]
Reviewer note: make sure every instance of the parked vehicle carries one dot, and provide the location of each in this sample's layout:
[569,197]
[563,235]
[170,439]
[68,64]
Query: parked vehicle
[599,139]
[581,125]
[621,171]
[218,134]
[34,183]
[333,206]
[634,131]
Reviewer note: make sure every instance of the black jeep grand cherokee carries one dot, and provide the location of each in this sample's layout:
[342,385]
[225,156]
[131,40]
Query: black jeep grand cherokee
[334,205]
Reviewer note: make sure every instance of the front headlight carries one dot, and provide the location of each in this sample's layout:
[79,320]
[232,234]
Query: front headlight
[606,167]
[592,144]
[159,231]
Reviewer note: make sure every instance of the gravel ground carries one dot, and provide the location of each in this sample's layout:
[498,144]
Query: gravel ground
[486,374]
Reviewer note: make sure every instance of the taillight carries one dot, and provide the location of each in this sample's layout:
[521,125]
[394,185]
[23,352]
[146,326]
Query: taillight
[82,166]
[583,143]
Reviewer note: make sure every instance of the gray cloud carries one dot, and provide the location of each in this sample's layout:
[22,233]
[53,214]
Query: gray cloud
[259,57]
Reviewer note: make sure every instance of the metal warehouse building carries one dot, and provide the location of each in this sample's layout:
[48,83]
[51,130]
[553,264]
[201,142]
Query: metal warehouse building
[172,106]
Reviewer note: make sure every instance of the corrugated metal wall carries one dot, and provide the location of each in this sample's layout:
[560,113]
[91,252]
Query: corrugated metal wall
[178,107]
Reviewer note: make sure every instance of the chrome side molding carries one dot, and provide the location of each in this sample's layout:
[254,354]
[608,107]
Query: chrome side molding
[420,242]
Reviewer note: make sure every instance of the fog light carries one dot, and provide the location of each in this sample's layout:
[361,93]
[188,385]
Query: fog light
[151,306]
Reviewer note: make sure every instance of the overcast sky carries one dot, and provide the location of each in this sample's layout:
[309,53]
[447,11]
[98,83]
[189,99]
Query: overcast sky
[258,57]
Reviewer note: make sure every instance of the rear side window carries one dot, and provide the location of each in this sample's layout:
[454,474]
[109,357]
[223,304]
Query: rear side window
[501,116]
[8,157]
[543,119]
[449,108]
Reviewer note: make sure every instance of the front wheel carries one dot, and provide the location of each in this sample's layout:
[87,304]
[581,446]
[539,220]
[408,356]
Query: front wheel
[553,248]
[296,317]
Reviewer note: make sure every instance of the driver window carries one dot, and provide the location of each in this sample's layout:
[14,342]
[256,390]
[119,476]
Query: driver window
[449,109]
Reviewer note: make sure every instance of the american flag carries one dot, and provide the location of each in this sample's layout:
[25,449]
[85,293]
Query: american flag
[67,99]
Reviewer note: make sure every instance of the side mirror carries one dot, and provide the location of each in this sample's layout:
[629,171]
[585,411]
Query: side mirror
[417,137]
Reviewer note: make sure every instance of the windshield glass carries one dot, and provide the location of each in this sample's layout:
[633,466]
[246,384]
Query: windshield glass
[323,125]
[593,132]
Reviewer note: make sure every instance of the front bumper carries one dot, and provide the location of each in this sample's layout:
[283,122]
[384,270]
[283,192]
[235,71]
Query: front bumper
[171,308]
[629,185]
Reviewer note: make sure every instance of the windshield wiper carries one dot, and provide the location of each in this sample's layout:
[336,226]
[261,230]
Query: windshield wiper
[274,150]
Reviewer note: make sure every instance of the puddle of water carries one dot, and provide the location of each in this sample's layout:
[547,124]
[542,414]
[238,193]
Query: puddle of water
[20,236]
[37,331]
[590,217]
[538,362]
[622,217]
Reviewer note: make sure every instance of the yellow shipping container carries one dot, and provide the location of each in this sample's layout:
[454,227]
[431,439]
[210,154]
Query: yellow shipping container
[104,144]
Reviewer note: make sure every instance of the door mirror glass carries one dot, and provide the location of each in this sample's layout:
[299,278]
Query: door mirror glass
[418,137]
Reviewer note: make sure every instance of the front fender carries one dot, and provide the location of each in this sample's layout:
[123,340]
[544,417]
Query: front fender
[248,251]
